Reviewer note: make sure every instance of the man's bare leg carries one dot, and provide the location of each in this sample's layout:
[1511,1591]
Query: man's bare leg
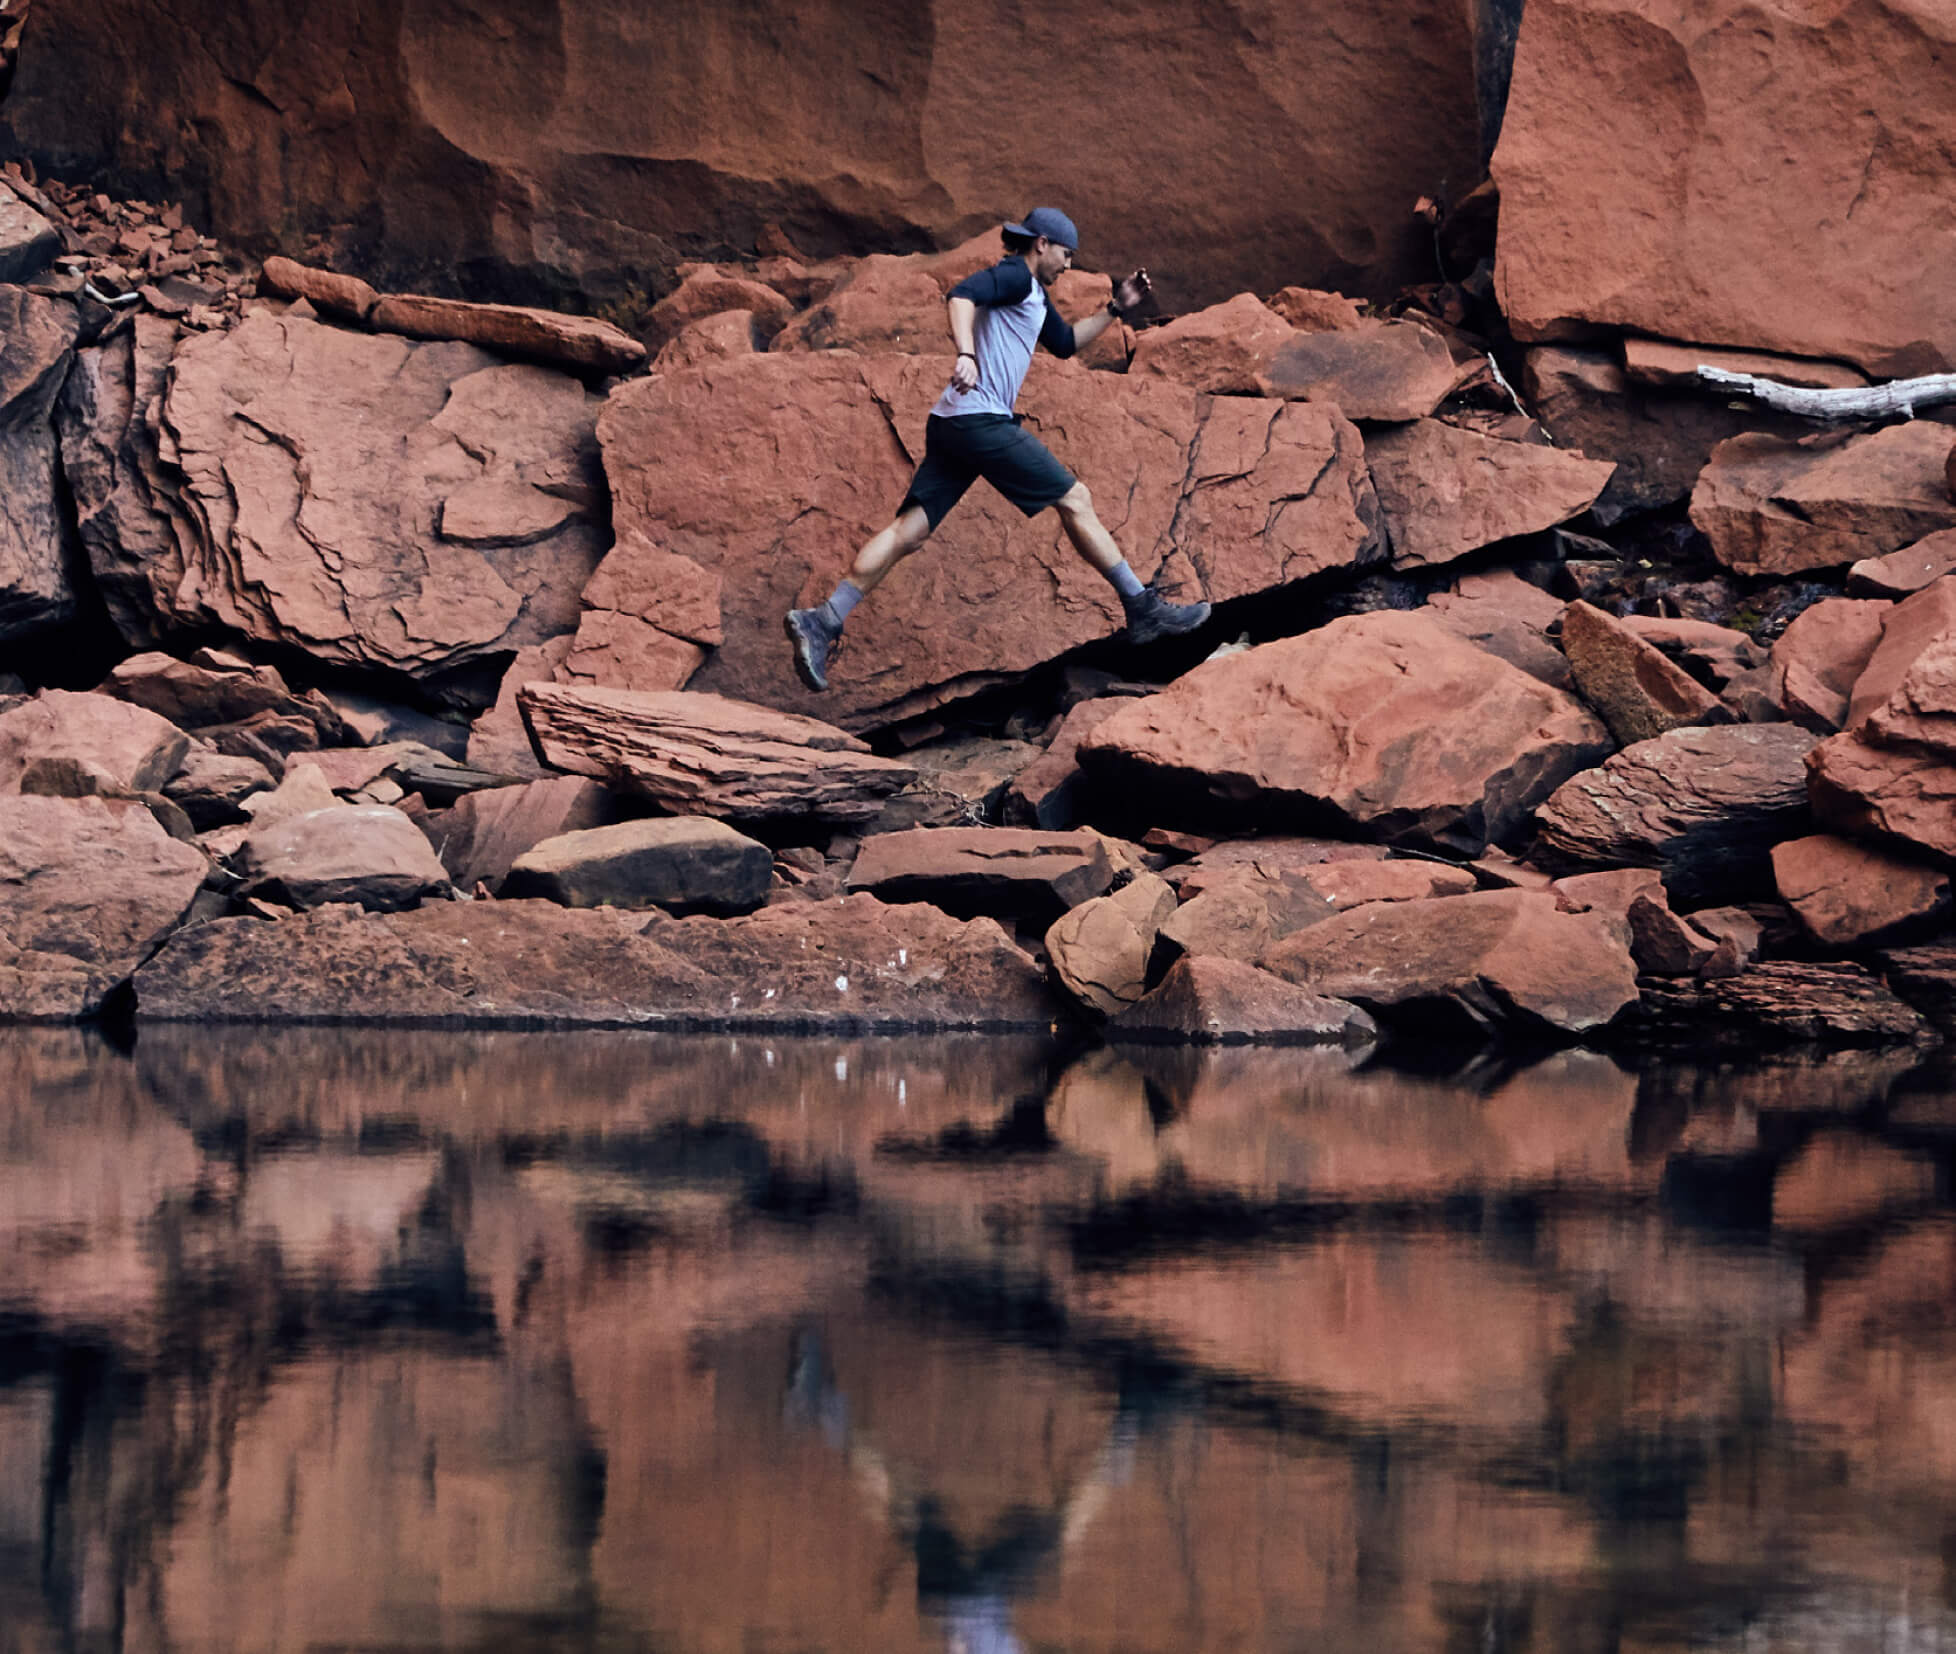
[1149,614]
[813,632]
[887,548]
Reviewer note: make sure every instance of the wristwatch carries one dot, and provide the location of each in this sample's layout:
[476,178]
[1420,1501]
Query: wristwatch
[1114,310]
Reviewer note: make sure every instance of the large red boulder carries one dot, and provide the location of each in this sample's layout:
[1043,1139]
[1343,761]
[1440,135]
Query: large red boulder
[1703,805]
[587,146]
[1224,348]
[128,748]
[1850,895]
[1906,695]
[1386,720]
[1771,505]
[86,890]
[1219,497]
[1761,173]
[1864,790]
[1819,658]
[1501,958]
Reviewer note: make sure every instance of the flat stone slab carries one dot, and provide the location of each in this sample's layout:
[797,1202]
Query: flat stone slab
[842,966]
[583,344]
[1447,491]
[698,754]
[1383,371]
[1011,872]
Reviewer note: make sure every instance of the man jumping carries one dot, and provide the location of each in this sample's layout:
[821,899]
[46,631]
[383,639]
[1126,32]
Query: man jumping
[996,318]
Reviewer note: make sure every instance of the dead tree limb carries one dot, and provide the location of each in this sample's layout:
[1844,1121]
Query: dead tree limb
[1898,397]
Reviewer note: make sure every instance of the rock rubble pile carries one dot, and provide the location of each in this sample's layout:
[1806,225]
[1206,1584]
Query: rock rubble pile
[392,657]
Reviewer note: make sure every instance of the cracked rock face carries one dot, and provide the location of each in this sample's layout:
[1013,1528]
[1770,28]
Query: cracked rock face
[1216,497]
[1763,173]
[36,346]
[377,503]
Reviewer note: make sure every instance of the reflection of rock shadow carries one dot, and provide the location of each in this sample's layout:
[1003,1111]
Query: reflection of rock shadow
[1021,1130]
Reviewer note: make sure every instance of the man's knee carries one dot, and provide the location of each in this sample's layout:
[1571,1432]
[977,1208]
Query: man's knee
[1076,504]
[911,529]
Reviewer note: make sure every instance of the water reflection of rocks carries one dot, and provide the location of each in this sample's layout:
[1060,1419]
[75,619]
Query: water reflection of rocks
[328,1338]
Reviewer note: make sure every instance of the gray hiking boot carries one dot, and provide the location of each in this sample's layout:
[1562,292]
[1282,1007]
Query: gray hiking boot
[813,635]
[1151,616]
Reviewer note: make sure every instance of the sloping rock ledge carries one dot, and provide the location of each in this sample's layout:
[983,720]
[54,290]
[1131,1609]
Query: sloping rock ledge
[856,965]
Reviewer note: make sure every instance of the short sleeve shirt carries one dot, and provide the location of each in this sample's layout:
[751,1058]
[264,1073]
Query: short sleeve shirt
[1013,316]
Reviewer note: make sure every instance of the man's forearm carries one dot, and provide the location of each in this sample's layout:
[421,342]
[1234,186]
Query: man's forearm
[963,315]
[1085,332]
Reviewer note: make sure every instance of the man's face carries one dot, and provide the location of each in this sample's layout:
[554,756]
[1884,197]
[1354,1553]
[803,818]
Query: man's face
[1049,259]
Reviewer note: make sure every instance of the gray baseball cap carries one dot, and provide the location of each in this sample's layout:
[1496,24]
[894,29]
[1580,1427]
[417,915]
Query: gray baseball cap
[1050,222]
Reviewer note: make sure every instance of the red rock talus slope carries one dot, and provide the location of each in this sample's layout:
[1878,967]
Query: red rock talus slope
[1769,173]
[585,143]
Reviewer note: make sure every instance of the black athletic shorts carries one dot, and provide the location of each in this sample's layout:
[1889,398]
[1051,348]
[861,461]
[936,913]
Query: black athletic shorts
[958,451]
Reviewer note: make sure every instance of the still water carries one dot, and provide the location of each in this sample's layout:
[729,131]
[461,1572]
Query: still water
[333,1339]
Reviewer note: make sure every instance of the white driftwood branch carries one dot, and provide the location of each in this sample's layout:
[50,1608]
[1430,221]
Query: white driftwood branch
[1898,396]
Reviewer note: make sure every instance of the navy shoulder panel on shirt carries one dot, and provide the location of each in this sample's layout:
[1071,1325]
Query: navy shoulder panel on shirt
[1006,282]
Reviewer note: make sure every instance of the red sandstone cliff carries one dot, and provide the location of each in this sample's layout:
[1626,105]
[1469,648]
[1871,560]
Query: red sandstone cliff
[581,146]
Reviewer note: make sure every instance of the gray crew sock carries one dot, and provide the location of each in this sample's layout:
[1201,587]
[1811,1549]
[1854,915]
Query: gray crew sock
[1126,581]
[840,601]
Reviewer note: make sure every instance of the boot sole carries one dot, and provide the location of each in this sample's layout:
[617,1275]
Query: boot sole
[804,662]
